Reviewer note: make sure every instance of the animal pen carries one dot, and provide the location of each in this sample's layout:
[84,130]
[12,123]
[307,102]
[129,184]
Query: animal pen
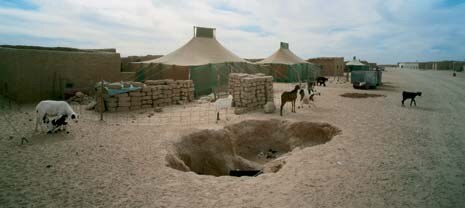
[191,113]
[250,93]
[193,77]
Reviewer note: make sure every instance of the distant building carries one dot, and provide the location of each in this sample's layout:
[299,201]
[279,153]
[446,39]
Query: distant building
[448,65]
[409,65]
[384,66]
[442,65]
[330,66]
[425,65]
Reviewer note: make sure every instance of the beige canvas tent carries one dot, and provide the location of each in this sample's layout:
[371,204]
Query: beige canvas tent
[282,56]
[288,67]
[202,49]
[203,59]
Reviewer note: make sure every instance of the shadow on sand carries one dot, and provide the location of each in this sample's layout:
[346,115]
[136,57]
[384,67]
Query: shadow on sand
[44,138]
[421,108]
[388,86]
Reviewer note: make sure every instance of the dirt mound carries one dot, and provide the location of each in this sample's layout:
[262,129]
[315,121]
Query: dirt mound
[361,95]
[248,145]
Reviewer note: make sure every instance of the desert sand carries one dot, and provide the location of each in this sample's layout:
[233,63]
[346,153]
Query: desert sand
[386,155]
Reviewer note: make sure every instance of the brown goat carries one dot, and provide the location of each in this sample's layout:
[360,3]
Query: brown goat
[289,97]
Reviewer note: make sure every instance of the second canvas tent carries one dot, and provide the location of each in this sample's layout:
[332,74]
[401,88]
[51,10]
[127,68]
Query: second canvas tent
[287,67]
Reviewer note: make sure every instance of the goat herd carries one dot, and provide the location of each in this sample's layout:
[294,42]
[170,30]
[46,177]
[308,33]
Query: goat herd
[52,115]
[306,94]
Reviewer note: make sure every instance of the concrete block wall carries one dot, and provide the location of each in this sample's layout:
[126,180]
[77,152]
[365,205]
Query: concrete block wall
[154,93]
[250,91]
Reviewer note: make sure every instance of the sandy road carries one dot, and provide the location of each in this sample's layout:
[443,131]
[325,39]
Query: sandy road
[438,158]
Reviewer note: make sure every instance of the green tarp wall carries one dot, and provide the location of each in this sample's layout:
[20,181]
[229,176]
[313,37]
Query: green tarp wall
[294,73]
[215,77]
[208,78]
[358,68]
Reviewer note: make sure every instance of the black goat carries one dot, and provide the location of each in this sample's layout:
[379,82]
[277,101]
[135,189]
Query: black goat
[321,81]
[410,95]
[289,97]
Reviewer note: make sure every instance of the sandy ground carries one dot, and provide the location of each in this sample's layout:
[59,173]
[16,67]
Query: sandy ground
[386,156]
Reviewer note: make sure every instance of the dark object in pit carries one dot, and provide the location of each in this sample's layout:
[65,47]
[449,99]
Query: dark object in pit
[24,139]
[48,166]
[271,154]
[239,173]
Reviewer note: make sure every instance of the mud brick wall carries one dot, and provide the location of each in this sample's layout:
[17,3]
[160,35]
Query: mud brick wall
[32,75]
[250,91]
[330,66]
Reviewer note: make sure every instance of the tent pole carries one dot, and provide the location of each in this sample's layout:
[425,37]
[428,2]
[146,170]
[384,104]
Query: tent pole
[102,106]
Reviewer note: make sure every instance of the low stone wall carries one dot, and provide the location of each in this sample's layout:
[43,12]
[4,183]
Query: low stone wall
[250,91]
[154,93]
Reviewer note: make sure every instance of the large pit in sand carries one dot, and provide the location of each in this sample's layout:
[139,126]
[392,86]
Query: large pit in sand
[248,146]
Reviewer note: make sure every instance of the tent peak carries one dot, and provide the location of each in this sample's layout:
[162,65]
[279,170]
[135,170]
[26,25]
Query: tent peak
[202,49]
[284,45]
[204,32]
[354,62]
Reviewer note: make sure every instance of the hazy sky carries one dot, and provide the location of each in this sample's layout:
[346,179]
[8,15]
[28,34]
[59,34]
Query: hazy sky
[383,31]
